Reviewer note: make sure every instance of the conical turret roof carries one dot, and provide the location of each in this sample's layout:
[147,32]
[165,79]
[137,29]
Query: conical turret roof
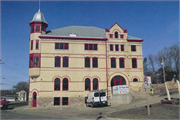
[38,17]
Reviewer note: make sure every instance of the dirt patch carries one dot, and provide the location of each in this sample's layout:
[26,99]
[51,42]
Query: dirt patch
[157,111]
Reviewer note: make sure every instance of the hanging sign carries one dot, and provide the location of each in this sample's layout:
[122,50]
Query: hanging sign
[121,89]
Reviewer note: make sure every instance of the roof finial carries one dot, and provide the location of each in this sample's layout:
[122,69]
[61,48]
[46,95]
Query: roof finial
[39,5]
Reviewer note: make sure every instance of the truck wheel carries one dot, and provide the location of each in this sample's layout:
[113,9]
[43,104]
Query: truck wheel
[87,105]
[92,105]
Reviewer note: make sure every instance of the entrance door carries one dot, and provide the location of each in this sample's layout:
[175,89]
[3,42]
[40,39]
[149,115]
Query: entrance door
[117,80]
[34,99]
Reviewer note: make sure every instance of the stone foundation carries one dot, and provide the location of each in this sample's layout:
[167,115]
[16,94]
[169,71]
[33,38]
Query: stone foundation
[76,101]
[45,102]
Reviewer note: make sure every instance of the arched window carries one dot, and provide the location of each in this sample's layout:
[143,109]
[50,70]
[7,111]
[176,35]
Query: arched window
[135,80]
[65,84]
[87,84]
[95,84]
[57,61]
[116,34]
[113,62]
[57,84]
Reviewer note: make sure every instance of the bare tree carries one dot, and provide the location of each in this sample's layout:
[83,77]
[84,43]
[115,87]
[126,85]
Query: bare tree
[21,86]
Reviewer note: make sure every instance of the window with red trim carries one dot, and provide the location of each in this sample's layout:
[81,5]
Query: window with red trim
[95,84]
[57,101]
[65,101]
[133,47]
[111,36]
[121,63]
[57,84]
[134,63]
[95,62]
[135,80]
[31,44]
[122,36]
[57,61]
[65,62]
[37,44]
[32,29]
[111,47]
[37,28]
[91,47]
[122,47]
[113,62]
[87,84]
[117,47]
[65,84]
[116,34]
[34,60]
[62,46]
[87,62]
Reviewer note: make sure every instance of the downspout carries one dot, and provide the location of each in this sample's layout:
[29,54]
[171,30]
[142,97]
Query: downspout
[106,69]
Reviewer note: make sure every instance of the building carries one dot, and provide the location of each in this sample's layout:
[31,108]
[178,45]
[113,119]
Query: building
[66,63]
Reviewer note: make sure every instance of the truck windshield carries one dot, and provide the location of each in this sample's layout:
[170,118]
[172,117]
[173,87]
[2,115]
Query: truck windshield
[103,94]
[96,94]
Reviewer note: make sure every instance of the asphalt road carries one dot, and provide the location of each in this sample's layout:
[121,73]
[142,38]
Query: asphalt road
[22,111]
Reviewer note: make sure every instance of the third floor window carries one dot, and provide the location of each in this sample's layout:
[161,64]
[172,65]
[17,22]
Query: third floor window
[91,47]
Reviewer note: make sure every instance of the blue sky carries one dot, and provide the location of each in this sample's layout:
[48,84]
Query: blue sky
[156,22]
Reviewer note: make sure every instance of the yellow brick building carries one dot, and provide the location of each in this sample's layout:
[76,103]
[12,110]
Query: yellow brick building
[66,63]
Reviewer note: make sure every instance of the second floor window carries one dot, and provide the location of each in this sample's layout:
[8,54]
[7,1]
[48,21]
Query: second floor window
[113,62]
[57,61]
[87,62]
[133,47]
[34,60]
[121,62]
[122,47]
[117,47]
[62,46]
[134,63]
[90,47]
[65,62]
[111,47]
[65,84]
[95,62]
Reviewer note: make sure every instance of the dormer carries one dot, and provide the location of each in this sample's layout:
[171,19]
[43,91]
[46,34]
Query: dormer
[116,32]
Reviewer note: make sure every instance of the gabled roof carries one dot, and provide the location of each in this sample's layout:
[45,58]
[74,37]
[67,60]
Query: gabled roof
[79,31]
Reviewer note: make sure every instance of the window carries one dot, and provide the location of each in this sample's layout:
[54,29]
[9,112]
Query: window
[117,47]
[32,29]
[95,84]
[65,84]
[87,84]
[116,34]
[31,44]
[57,84]
[56,101]
[57,62]
[111,36]
[37,45]
[121,62]
[135,80]
[133,47]
[62,46]
[111,47]
[34,60]
[65,61]
[134,63]
[90,47]
[121,36]
[87,62]
[95,62]
[65,101]
[37,28]
[43,28]
[113,62]
[122,47]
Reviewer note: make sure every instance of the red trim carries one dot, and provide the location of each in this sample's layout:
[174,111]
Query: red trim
[96,84]
[67,85]
[79,38]
[132,49]
[57,84]
[65,62]
[89,84]
[32,57]
[106,30]
[113,58]
[31,44]
[125,31]
[65,101]
[134,40]
[121,36]
[57,101]
[118,25]
[89,64]
[95,63]
[57,62]
[37,44]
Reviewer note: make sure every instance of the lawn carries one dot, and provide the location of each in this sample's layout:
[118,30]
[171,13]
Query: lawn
[157,111]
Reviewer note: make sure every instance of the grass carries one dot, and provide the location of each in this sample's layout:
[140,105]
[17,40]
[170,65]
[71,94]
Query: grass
[157,111]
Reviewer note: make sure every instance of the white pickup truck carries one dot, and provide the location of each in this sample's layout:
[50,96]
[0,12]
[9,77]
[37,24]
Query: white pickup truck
[96,98]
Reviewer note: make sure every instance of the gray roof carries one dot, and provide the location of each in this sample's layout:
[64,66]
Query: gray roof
[80,31]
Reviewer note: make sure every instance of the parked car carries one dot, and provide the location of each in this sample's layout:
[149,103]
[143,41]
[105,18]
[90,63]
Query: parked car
[97,98]
[4,103]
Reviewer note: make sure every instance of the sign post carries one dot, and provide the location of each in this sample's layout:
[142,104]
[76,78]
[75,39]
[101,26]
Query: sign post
[147,86]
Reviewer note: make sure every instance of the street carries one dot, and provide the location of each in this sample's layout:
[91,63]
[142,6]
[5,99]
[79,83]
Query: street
[22,111]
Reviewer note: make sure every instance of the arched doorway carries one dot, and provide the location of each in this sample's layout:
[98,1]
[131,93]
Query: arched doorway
[34,99]
[118,80]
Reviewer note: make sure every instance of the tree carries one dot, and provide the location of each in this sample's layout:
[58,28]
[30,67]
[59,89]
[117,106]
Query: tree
[145,67]
[21,86]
